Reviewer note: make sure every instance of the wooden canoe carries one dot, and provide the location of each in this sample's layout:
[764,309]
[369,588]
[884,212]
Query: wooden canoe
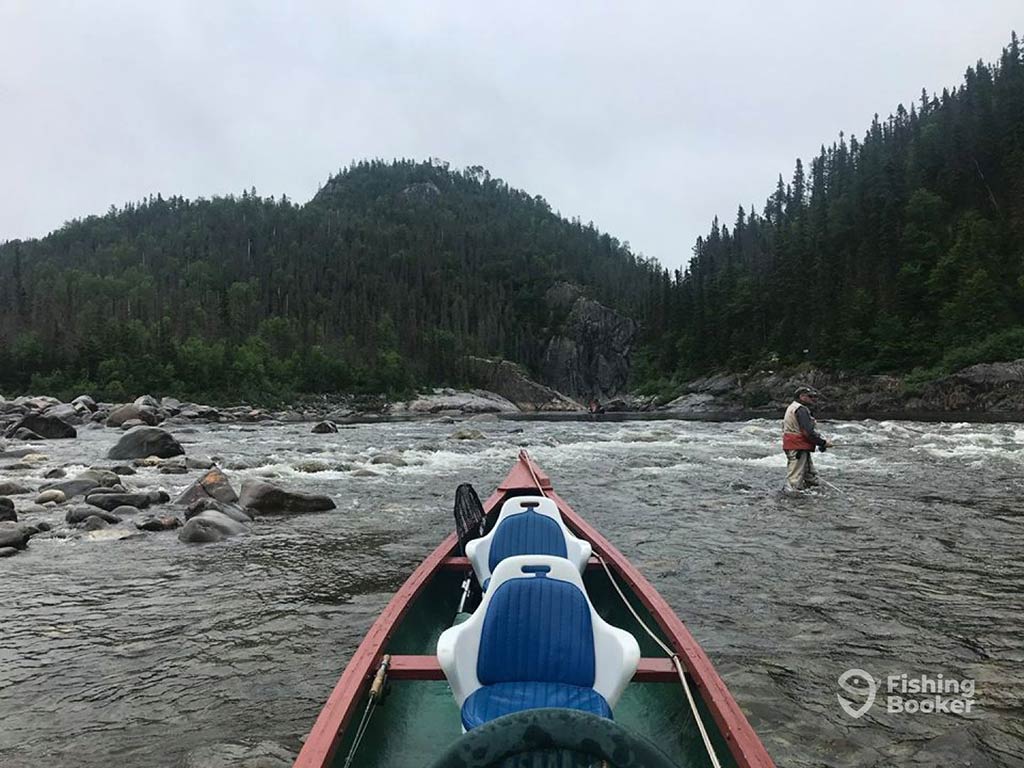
[418,718]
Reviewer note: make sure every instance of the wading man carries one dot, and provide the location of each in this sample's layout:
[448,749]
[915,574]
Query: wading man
[799,439]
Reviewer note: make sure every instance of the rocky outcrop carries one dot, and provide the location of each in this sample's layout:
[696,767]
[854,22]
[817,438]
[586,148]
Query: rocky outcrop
[589,356]
[510,381]
[452,401]
[142,442]
[991,388]
[269,499]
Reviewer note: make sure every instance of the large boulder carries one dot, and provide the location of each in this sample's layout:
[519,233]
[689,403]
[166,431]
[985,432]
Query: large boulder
[11,488]
[45,426]
[269,499]
[66,412]
[146,441]
[210,526]
[84,403]
[124,413]
[13,535]
[7,510]
[324,428]
[213,485]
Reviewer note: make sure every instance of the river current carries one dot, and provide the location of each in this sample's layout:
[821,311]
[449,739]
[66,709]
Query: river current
[149,652]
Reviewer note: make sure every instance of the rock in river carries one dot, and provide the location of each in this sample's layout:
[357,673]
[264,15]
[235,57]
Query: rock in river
[13,535]
[213,485]
[11,488]
[233,511]
[131,411]
[7,510]
[325,428]
[146,441]
[46,426]
[79,515]
[210,526]
[52,495]
[111,501]
[270,499]
[158,523]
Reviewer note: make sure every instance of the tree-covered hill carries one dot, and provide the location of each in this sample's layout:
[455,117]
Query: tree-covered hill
[899,252]
[902,250]
[387,279]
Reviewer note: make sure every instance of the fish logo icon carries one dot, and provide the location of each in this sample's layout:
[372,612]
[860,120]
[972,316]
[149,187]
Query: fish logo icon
[864,685]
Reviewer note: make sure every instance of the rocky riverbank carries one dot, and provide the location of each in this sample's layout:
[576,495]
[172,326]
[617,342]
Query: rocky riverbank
[988,390]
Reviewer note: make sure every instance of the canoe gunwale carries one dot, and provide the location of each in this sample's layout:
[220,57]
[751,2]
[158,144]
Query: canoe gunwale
[327,731]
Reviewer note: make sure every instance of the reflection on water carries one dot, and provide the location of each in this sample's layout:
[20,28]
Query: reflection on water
[149,652]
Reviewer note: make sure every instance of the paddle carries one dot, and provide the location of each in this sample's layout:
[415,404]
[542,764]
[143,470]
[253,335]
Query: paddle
[469,524]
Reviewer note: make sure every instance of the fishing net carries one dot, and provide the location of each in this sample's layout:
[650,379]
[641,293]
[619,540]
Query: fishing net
[469,515]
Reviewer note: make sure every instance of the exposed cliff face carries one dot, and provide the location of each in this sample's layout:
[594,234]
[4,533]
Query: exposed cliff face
[511,382]
[589,353]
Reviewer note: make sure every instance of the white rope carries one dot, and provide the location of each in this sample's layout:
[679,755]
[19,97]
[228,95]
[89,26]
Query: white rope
[675,660]
[668,651]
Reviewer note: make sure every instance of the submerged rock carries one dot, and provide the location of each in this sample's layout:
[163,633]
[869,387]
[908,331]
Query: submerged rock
[466,434]
[146,441]
[158,523]
[270,499]
[210,526]
[233,511]
[110,501]
[78,515]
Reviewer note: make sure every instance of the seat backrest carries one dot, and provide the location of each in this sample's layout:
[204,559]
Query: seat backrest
[537,629]
[526,533]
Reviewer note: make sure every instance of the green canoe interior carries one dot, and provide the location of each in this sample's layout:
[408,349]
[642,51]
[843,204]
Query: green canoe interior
[419,718]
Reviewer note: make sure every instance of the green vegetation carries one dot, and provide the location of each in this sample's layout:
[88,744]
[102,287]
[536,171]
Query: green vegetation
[385,281]
[902,252]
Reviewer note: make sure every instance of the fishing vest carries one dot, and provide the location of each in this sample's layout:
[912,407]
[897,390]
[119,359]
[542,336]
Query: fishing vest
[793,438]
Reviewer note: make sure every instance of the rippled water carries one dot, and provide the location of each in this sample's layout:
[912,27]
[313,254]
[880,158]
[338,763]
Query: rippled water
[149,652]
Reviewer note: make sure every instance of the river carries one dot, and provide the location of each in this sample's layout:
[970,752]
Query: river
[149,652]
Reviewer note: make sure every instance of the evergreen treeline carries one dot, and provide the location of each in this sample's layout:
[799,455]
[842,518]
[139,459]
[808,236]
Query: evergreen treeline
[904,250]
[383,282]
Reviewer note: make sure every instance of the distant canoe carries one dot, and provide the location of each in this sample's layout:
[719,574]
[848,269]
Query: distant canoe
[419,718]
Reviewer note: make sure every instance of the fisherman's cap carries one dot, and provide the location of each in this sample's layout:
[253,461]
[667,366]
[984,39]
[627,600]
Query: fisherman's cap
[807,391]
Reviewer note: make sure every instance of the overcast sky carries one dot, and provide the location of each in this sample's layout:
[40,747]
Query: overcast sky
[646,118]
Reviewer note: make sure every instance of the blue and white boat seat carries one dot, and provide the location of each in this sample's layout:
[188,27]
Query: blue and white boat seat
[536,641]
[526,525]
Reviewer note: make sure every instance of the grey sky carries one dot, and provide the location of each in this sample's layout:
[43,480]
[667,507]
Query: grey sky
[647,118]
